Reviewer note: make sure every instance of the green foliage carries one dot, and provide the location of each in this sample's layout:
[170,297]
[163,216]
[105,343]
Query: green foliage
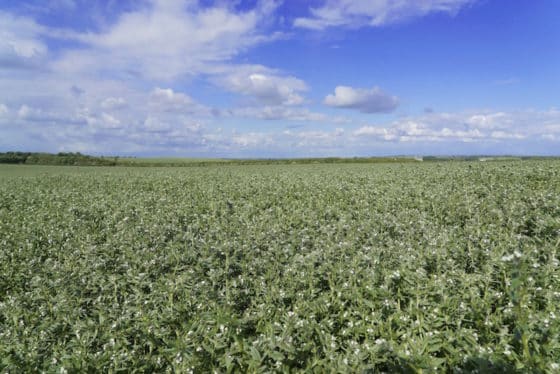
[426,267]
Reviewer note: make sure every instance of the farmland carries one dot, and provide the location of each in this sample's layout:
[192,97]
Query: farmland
[410,267]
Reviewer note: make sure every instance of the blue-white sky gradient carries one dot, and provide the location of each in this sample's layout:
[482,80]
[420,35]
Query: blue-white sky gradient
[291,78]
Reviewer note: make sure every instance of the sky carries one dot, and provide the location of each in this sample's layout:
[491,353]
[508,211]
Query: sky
[280,78]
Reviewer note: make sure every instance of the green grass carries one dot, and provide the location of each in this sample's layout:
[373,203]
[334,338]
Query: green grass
[422,267]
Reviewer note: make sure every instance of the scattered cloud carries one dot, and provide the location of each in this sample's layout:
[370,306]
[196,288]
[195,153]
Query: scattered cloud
[411,130]
[114,103]
[252,139]
[3,110]
[164,40]
[489,121]
[365,100]
[154,124]
[315,138]
[264,85]
[467,127]
[278,113]
[31,114]
[109,121]
[372,13]
[482,131]
[167,100]
[20,43]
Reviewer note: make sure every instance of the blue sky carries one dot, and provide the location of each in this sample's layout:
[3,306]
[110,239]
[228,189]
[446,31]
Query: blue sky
[290,78]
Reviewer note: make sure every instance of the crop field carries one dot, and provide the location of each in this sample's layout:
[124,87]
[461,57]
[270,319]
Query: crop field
[412,267]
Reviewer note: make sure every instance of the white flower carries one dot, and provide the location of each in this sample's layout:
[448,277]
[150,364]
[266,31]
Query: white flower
[507,258]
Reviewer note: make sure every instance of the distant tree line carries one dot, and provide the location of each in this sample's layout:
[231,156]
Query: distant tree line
[61,158]
[78,159]
[263,161]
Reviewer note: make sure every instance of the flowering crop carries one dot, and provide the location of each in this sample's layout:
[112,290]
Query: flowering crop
[315,268]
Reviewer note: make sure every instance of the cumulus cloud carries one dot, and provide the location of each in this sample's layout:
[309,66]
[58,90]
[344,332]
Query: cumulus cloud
[109,121]
[94,121]
[365,100]
[466,127]
[361,13]
[167,100]
[264,85]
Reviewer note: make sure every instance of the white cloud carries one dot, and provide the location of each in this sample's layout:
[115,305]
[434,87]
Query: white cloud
[279,113]
[93,130]
[365,100]
[506,135]
[167,100]
[360,13]
[467,127]
[168,39]
[265,85]
[20,44]
[252,139]
[108,121]
[114,103]
[316,138]
[95,121]
[489,120]
[32,114]
[378,132]
[174,128]
[3,110]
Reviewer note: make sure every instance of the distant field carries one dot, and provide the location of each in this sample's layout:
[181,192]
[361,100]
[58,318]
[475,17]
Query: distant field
[388,267]
[78,159]
[38,171]
[168,160]
[177,162]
